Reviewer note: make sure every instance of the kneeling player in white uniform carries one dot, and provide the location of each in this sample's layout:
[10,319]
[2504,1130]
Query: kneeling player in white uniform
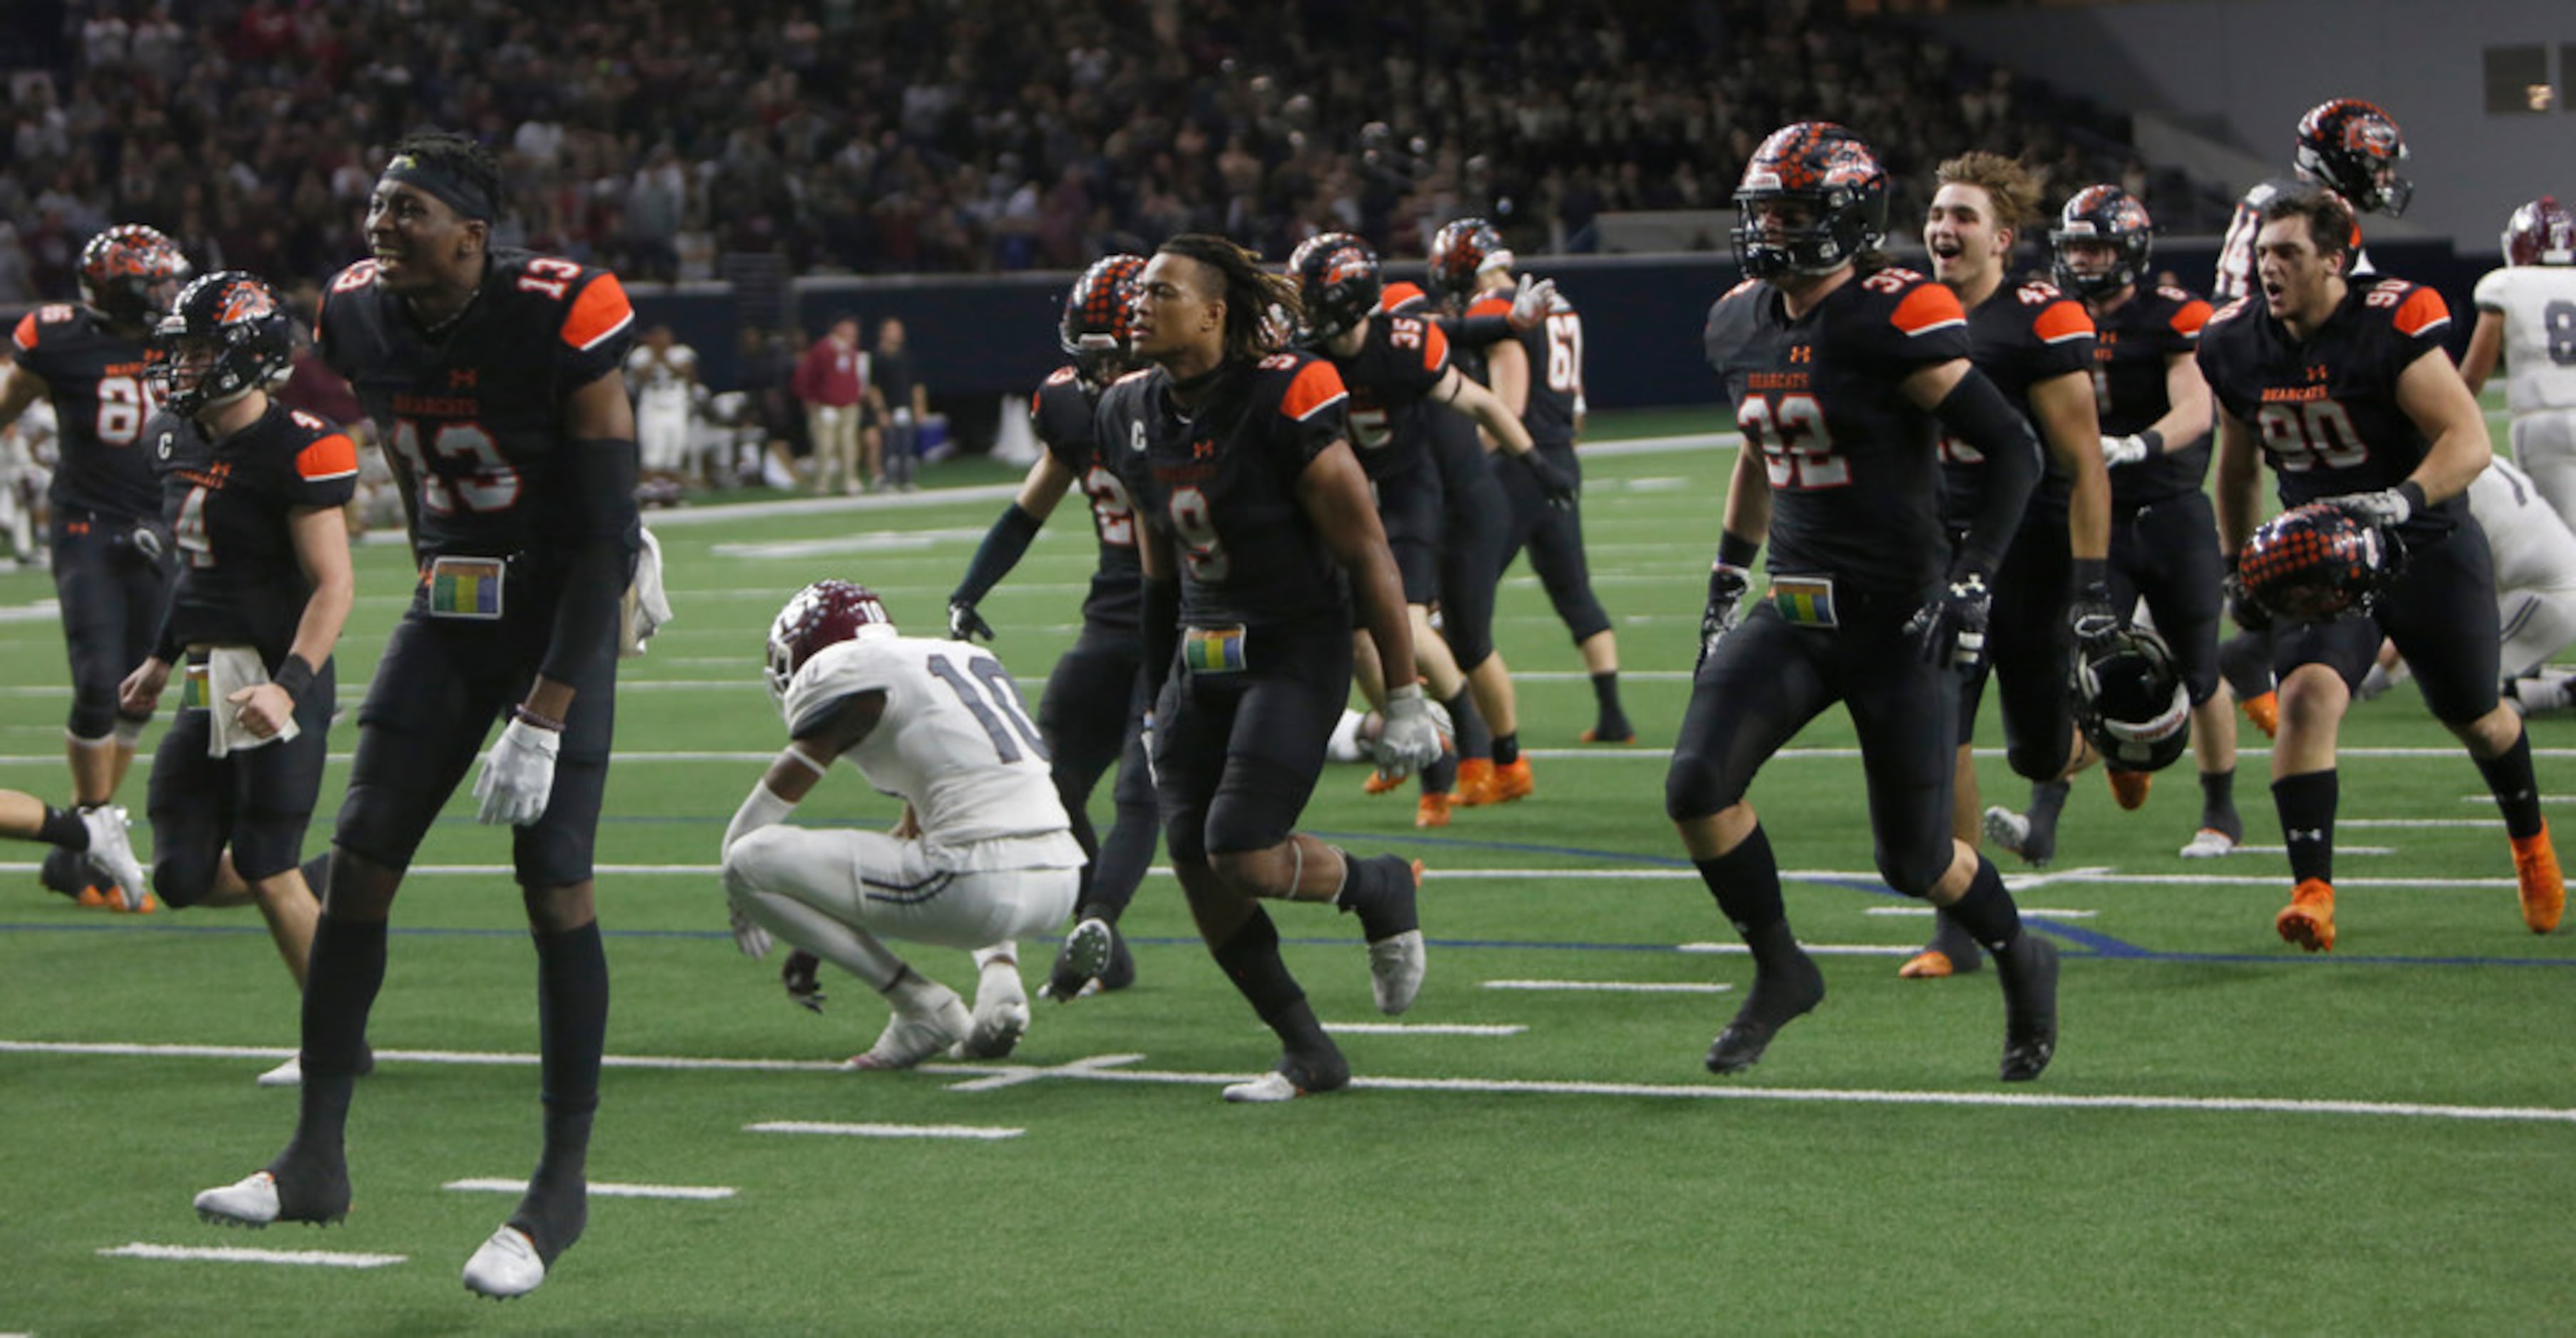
[983,855]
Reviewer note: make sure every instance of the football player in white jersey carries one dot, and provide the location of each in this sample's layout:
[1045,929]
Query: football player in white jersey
[2535,587]
[664,374]
[2527,318]
[983,855]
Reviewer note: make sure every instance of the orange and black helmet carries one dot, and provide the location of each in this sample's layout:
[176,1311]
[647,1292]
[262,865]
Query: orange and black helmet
[2109,216]
[129,273]
[1832,171]
[1097,316]
[2353,148]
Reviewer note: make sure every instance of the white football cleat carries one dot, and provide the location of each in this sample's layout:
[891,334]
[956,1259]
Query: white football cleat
[248,1202]
[2209,843]
[505,1267]
[1001,1015]
[910,1038]
[1269,1087]
[112,855]
[288,1074]
[1395,971]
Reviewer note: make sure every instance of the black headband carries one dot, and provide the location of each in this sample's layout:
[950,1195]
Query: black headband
[461,195]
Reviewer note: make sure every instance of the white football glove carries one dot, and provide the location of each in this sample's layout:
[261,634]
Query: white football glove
[2385,509]
[2129,450]
[1411,739]
[751,938]
[518,774]
[1531,303]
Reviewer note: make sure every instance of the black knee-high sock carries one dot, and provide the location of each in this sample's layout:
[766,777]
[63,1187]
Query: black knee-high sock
[1746,883]
[1375,889]
[2306,804]
[1122,861]
[572,1022]
[1986,910]
[1607,713]
[2516,789]
[1441,777]
[2218,801]
[1251,961]
[1474,739]
[63,827]
[1507,748]
[348,967]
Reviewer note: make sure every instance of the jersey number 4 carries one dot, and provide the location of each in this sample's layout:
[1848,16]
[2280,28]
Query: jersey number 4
[1797,449]
[992,699]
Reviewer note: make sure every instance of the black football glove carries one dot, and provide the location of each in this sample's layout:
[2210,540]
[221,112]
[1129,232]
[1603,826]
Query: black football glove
[1950,628]
[1726,587]
[2096,624]
[1552,481]
[798,975]
[965,624]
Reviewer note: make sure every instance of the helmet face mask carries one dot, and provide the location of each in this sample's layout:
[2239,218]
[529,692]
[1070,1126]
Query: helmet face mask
[2541,232]
[129,274]
[226,336]
[2104,222]
[2353,149]
[1098,312]
[1338,284]
[814,619]
[1812,200]
[2132,704]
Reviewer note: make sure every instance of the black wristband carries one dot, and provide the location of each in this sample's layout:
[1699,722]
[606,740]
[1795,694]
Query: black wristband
[1735,551]
[2413,492]
[293,674]
[2086,573]
[2153,440]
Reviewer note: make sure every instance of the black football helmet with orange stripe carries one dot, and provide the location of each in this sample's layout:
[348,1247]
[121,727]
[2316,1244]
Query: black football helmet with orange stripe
[129,273]
[226,336]
[2131,701]
[1338,283]
[2353,148]
[1461,251]
[1096,316]
[1830,171]
[2101,216]
[2541,232]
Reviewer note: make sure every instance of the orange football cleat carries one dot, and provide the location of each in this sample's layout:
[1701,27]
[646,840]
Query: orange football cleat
[2129,788]
[1475,777]
[1929,964]
[1597,735]
[2309,918]
[1432,811]
[1379,782]
[1510,783]
[112,898]
[2265,712]
[2535,868]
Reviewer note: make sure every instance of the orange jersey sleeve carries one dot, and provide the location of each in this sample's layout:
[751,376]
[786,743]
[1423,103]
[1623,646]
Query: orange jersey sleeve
[2422,310]
[2061,321]
[2190,316]
[601,310]
[25,335]
[331,457]
[1490,306]
[1928,306]
[1435,347]
[1317,387]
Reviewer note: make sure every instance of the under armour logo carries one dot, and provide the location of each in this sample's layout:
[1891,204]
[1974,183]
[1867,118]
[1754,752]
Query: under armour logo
[2309,834]
[1203,450]
[461,378]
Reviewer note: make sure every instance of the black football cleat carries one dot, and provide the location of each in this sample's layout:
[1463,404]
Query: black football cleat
[2029,972]
[1780,995]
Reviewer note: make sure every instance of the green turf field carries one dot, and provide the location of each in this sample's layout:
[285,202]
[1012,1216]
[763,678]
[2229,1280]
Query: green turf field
[2234,1137]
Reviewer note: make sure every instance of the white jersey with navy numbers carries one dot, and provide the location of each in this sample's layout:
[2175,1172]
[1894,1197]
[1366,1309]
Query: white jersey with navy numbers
[955,741]
[2539,307]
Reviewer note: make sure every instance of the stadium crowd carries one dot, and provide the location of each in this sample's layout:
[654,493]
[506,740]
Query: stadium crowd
[655,138]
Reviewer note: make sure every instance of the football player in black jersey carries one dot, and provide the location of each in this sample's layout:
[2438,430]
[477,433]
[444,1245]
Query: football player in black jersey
[2352,148]
[111,568]
[1102,665]
[492,376]
[1399,376]
[2155,410]
[2345,389]
[1844,370]
[1259,538]
[251,493]
[1534,362]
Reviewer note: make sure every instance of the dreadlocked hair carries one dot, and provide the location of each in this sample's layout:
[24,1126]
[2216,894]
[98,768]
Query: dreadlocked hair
[1261,308]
